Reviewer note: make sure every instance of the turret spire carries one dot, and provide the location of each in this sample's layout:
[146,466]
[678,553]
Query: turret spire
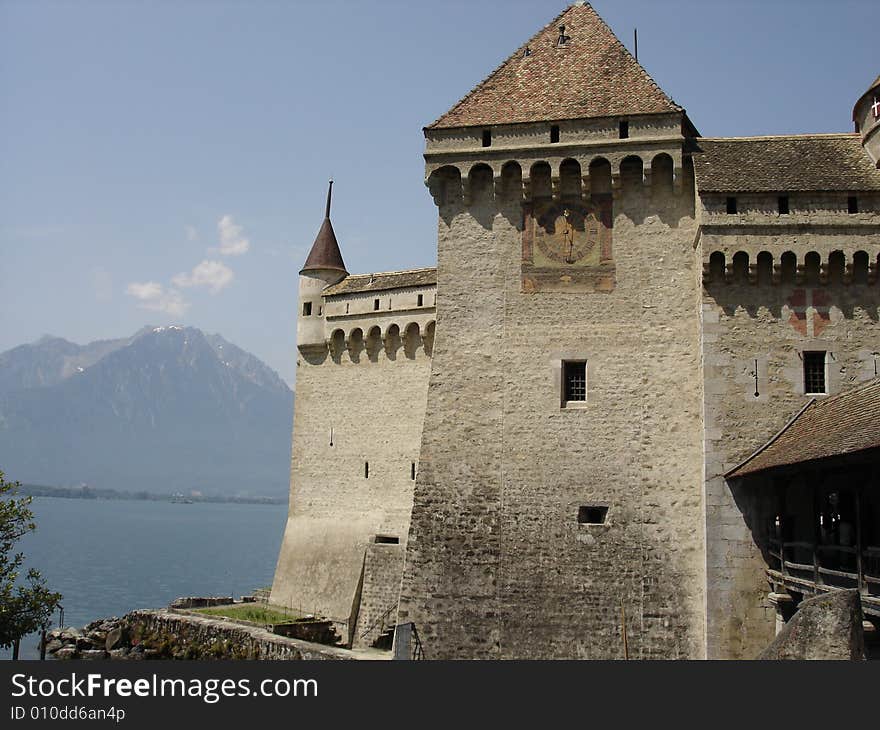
[325,253]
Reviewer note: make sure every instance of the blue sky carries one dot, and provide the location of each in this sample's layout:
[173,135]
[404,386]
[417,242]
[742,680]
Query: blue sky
[166,162]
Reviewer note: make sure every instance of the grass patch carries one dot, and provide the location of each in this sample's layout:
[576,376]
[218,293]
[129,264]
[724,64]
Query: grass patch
[256,613]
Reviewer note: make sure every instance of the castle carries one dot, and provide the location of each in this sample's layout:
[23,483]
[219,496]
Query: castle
[531,451]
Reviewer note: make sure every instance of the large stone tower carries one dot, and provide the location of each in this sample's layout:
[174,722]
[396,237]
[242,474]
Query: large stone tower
[560,481]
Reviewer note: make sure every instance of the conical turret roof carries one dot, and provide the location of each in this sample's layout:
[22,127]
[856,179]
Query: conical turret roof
[574,68]
[325,253]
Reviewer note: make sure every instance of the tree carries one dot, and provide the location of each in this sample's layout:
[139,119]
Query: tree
[25,606]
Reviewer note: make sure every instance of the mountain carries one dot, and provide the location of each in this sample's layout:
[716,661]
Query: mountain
[168,409]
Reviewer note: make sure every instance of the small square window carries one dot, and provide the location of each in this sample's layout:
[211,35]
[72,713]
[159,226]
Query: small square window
[783,204]
[731,205]
[376,305]
[420,300]
[852,204]
[592,515]
[623,130]
[554,134]
[307,309]
[814,373]
[487,138]
[574,381]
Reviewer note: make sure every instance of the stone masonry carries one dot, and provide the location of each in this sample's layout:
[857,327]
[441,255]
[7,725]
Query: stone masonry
[441,459]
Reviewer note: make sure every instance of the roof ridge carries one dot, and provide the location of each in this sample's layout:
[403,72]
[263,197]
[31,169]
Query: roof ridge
[636,60]
[398,271]
[851,391]
[498,68]
[804,135]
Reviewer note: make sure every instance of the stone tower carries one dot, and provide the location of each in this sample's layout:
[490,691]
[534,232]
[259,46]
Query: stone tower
[363,353]
[560,481]
[866,115]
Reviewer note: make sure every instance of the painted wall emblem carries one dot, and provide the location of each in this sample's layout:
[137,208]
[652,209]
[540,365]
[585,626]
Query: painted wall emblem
[567,246]
[809,311]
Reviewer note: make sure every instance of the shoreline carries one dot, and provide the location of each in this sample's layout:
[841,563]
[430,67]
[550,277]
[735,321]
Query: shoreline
[90,494]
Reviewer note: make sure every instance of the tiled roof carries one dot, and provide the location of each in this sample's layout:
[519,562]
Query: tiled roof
[811,162]
[383,281]
[841,424]
[591,75]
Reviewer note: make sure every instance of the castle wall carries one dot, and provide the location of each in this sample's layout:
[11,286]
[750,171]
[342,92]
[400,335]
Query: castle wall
[354,405]
[759,314]
[497,564]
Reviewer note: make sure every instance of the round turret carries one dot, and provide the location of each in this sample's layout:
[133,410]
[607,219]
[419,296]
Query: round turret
[323,267]
[866,115]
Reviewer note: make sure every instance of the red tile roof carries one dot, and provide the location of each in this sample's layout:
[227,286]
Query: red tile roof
[842,424]
[591,75]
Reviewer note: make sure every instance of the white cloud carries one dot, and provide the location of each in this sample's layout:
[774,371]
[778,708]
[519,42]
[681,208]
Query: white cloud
[147,291]
[232,243]
[192,233]
[155,297]
[213,274]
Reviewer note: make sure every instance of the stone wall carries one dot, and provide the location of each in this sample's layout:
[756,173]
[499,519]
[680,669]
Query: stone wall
[755,326]
[497,564]
[194,637]
[173,634]
[353,409]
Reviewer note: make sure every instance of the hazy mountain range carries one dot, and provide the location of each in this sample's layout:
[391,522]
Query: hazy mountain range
[168,409]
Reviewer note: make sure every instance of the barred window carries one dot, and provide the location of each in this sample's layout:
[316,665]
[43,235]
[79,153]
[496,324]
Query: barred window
[574,380]
[814,372]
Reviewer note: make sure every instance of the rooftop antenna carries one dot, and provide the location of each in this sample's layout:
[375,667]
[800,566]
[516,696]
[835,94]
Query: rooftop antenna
[636,37]
[329,194]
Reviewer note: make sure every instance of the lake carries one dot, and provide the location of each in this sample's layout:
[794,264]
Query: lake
[109,557]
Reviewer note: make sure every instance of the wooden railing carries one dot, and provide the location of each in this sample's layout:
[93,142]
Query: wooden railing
[862,569]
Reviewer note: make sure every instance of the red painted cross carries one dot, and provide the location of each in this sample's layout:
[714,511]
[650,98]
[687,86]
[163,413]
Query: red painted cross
[875,107]
[800,304]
